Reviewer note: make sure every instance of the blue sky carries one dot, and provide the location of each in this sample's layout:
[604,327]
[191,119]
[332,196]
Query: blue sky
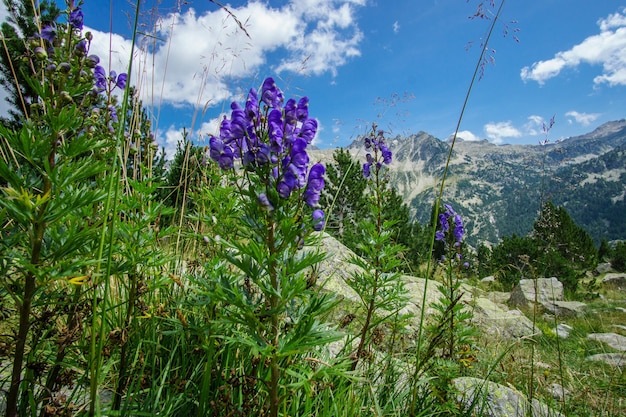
[404,64]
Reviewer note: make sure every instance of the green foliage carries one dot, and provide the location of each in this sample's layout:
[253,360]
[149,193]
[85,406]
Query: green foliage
[509,259]
[381,290]
[346,201]
[20,26]
[604,251]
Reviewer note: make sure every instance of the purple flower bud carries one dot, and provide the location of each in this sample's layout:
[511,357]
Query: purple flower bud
[318,220]
[64,67]
[92,61]
[40,53]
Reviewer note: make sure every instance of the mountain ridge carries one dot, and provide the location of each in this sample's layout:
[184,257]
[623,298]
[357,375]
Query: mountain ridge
[499,188]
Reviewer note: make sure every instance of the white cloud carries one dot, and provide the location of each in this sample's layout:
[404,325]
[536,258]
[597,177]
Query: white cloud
[534,126]
[500,130]
[190,57]
[584,119]
[467,135]
[608,48]
[396,27]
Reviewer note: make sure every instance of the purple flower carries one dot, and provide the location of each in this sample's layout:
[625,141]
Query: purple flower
[49,32]
[444,222]
[271,94]
[252,104]
[386,153]
[302,112]
[121,81]
[308,130]
[315,185]
[366,169]
[291,112]
[317,171]
[318,220]
[76,18]
[100,78]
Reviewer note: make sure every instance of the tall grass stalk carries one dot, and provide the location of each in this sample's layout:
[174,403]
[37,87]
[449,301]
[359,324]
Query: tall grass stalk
[437,204]
[107,236]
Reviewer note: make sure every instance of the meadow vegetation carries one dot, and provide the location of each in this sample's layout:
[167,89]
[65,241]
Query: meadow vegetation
[129,288]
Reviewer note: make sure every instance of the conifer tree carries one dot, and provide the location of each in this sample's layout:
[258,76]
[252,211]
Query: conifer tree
[555,229]
[343,198]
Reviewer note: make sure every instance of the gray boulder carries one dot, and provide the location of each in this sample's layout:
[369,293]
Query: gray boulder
[615,281]
[510,324]
[617,360]
[547,293]
[494,400]
[565,308]
[563,330]
[614,340]
[541,290]
[603,268]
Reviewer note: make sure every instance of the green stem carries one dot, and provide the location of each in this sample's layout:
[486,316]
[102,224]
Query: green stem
[30,287]
[275,323]
[377,270]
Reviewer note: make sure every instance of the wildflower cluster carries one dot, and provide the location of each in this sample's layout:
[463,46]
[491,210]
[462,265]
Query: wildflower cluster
[382,154]
[271,140]
[451,231]
[49,46]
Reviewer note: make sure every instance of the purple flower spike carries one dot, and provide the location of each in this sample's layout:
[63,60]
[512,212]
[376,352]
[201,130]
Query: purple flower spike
[265,202]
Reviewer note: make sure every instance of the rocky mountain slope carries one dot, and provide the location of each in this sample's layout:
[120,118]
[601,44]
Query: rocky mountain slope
[498,188]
